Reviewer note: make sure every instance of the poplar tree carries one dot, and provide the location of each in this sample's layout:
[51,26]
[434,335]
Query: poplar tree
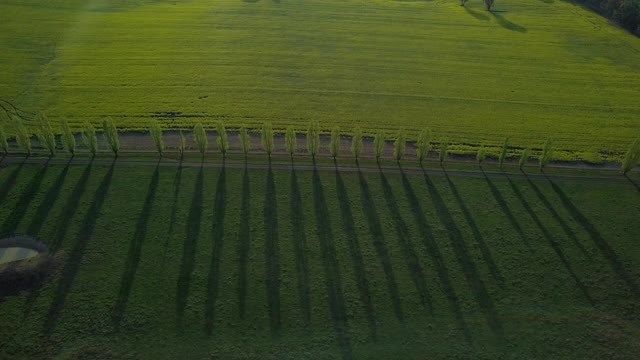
[631,157]
[46,136]
[547,153]
[89,138]
[356,143]
[267,138]
[334,146]
[156,134]
[399,145]
[23,138]
[481,155]
[313,138]
[111,135]
[444,146]
[4,145]
[424,145]
[182,146]
[200,138]
[378,144]
[222,140]
[503,153]
[524,157]
[245,141]
[291,141]
[68,139]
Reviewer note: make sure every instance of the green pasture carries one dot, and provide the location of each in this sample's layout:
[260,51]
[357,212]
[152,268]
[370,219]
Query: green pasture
[208,263]
[531,70]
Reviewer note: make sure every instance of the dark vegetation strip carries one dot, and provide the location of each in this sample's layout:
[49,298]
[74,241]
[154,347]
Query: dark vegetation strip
[244,242]
[272,254]
[299,239]
[213,281]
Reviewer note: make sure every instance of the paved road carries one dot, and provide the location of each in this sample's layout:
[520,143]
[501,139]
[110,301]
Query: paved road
[330,168]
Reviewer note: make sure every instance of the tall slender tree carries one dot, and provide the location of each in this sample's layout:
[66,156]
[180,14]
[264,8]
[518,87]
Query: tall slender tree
[200,138]
[245,141]
[222,140]
[4,145]
[334,146]
[68,139]
[182,145]
[631,157]
[399,145]
[313,138]
[356,143]
[378,144]
[547,153]
[89,138]
[481,155]
[524,157]
[444,150]
[291,141]
[503,153]
[424,145]
[111,134]
[46,136]
[156,134]
[488,4]
[267,138]
[23,137]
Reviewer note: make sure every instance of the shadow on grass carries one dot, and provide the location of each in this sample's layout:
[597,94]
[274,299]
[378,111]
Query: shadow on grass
[357,259]
[567,230]
[213,281]
[505,209]
[76,254]
[436,256]
[331,268]
[244,241]
[379,242]
[476,14]
[632,182]
[10,181]
[272,253]
[177,185]
[464,259]
[604,247]
[404,239]
[189,247]
[554,245]
[47,203]
[502,21]
[135,251]
[27,195]
[300,246]
[484,249]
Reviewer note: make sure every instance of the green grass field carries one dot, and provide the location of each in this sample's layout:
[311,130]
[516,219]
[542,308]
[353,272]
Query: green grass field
[531,70]
[163,263]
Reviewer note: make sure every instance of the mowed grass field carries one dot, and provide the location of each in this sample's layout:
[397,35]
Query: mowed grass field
[531,70]
[196,263]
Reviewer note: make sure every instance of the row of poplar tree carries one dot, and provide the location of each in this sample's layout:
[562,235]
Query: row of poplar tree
[423,146]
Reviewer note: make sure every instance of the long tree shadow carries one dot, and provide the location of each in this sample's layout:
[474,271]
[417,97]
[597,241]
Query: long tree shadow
[509,25]
[379,243]
[331,268]
[244,241]
[606,249]
[484,249]
[508,213]
[554,245]
[436,256]
[272,253]
[135,250]
[213,281]
[27,195]
[37,221]
[8,184]
[177,185]
[567,230]
[476,14]
[404,239]
[189,247]
[76,254]
[464,259]
[300,246]
[357,259]
[632,182]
